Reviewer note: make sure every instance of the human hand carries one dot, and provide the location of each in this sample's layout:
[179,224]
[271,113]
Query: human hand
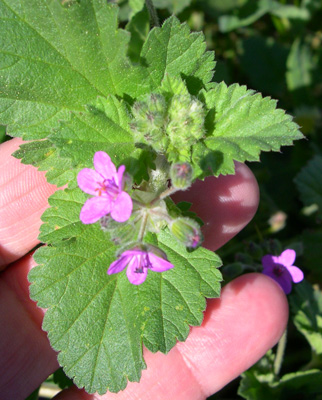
[237,330]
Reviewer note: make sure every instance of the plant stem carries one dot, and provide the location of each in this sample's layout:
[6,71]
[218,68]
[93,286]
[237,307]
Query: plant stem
[152,12]
[143,226]
[280,353]
[163,195]
[316,362]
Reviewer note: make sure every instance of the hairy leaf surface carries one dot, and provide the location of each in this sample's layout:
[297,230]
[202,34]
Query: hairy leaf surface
[241,124]
[98,322]
[173,49]
[55,59]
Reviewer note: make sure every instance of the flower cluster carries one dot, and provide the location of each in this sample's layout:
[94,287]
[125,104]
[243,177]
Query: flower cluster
[146,211]
[281,269]
[170,124]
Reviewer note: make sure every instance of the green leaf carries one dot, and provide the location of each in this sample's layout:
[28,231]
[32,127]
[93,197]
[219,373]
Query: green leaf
[291,12]
[254,384]
[61,379]
[243,16]
[306,304]
[308,183]
[181,300]
[105,126]
[98,322]
[217,7]
[312,5]
[48,65]
[89,321]
[174,50]
[136,5]
[251,389]
[174,6]
[44,155]
[299,66]
[306,384]
[2,133]
[241,124]
[139,27]
[58,225]
[34,395]
[252,11]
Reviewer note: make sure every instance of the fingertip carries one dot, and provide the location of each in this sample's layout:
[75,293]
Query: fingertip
[225,204]
[238,329]
[24,197]
[26,358]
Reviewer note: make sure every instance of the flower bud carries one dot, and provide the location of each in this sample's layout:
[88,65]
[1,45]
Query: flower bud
[233,270]
[187,231]
[181,175]
[149,119]
[186,121]
[255,250]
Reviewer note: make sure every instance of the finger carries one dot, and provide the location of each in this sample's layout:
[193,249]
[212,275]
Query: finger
[24,194]
[225,204]
[237,330]
[26,358]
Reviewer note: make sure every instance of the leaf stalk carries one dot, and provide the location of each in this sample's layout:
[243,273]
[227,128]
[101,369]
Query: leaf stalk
[280,353]
[152,12]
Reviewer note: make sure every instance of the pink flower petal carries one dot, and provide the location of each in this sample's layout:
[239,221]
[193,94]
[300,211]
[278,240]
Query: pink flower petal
[284,280]
[159,264]
[103,165]
[94,209]
[136,278]
[122,207]
[296,273]
[287,258]
[118,265]
[88,181]
[268,261]
[120,173]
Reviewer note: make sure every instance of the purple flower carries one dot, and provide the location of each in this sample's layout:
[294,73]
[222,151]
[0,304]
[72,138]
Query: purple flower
[106,184]
[282,270]
[138,263]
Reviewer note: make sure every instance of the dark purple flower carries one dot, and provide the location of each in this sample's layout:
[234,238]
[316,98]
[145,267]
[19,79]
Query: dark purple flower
[138,262]
[282,270]
[106,184]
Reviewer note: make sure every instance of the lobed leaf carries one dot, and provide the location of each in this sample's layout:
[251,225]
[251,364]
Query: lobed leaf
[174,50]
[98,322]
[241,124]
[44,155]
[48,65]
[306,304]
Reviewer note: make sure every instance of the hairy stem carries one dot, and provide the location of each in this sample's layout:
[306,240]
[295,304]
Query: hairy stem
[280,353]
[168,192]
[152,12]
[143,226]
